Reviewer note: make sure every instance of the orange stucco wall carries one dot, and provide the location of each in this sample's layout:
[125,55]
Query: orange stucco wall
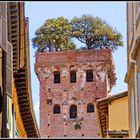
[118,114]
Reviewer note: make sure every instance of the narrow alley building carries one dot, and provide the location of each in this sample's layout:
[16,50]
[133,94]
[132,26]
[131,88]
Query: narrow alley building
[133,66]
[17,118]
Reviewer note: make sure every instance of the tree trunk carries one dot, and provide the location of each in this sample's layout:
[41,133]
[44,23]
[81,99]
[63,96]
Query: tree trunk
[88,43]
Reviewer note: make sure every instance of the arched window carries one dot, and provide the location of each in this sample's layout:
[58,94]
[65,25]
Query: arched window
[90,108]
[73,76]
[56,77]
[73,111]
[89,75]
[56,109]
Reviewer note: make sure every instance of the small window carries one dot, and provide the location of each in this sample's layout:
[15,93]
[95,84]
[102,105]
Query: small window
[89,75]
[49,101]
[56,77]
[73,111]
[56,109]
[73,76]
[90,108]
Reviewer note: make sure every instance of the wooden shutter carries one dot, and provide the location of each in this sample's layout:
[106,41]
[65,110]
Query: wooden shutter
[3,25]
[13,32]
[9,70]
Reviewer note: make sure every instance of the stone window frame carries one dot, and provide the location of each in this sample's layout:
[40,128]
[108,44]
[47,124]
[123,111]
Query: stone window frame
[56,109]
[73,111]
[89,109]
[57,77]
[89,75]
[73,76]
[73,69]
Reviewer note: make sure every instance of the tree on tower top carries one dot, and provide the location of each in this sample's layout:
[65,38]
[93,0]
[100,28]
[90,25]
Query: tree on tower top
[57,33]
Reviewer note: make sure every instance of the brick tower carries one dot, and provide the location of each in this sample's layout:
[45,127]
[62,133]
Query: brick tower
[70,83]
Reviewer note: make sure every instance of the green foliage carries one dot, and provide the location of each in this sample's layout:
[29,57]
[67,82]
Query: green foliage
[54,35]
[95,33]
[57,33]
[77,126]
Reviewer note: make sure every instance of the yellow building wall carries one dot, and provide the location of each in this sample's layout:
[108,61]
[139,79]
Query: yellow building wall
[118,114]
[19,123]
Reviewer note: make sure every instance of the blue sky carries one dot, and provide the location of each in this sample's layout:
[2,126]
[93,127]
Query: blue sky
[114,13]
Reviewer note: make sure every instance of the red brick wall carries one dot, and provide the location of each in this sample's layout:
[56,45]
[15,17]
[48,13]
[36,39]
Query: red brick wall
[100,62]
